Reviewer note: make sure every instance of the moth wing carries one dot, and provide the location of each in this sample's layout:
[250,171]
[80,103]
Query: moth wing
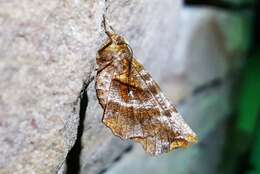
[137,109]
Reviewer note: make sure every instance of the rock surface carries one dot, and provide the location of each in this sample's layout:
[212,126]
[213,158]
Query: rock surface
[47,49]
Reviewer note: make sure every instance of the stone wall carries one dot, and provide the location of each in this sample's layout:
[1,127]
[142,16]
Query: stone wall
[47,52]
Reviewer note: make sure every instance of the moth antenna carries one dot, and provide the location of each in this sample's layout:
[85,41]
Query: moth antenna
[104,22]
[111,28]
[129,67]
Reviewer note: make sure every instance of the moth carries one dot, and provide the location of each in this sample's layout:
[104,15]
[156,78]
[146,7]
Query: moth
[134,106]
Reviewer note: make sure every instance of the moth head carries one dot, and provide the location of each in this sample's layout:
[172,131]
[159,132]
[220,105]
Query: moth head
[118,40]
[115,48]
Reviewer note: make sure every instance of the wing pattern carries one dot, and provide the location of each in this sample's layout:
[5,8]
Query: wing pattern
[135,108]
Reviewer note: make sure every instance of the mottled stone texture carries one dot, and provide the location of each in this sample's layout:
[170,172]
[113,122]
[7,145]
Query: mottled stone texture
[48,48]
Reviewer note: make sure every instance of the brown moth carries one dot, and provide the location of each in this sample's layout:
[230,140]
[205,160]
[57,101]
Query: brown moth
[134,106]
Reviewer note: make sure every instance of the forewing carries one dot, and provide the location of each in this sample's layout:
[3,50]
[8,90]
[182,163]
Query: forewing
[137,109]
